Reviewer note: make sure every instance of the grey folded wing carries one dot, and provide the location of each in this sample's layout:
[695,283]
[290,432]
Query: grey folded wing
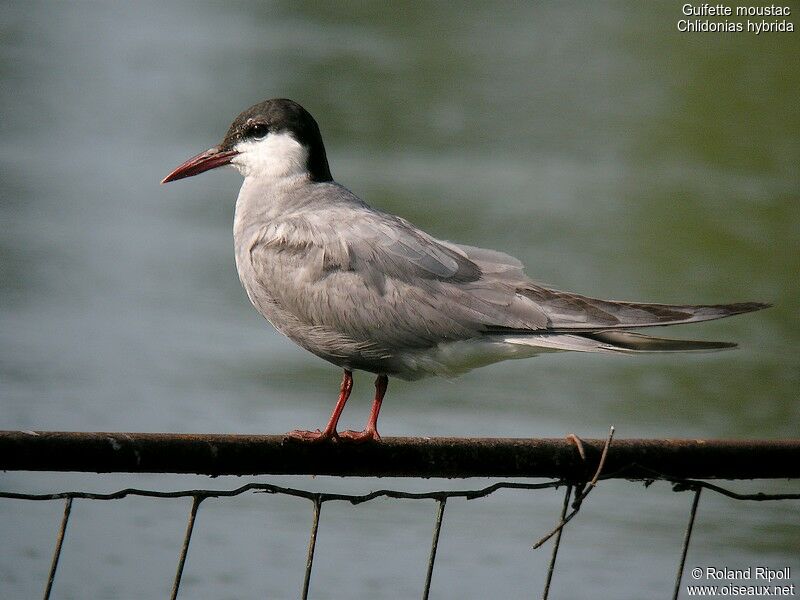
[377,279]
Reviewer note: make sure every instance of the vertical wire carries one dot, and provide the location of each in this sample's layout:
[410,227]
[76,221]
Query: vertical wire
[59,543]
[437,528]
[556,544]
[312,544]
[196,500]
[686,540]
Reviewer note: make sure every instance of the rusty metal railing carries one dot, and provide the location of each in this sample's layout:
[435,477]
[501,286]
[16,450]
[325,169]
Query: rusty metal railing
[214,454]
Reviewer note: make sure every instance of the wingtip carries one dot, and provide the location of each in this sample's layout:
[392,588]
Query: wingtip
[724,346]
[746,307]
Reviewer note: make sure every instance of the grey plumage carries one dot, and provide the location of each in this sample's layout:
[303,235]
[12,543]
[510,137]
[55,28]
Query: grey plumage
[368,290]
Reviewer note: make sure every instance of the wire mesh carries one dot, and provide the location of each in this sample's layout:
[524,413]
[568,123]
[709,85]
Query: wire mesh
[575,491]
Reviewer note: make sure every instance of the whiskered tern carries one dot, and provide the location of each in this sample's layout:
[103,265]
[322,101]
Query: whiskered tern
[368,290]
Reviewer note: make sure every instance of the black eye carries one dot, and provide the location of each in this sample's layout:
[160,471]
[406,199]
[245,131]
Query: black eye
[258,131]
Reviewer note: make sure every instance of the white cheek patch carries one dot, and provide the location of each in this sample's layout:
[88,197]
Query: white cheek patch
[275,157]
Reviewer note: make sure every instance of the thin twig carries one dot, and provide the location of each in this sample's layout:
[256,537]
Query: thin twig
[437,528]
[582,496]
[312,544]
[57,552]
[686,539]
[187,538]
[556,545]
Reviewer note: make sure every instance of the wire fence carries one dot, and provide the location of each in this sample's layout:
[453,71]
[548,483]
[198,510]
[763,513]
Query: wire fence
[576,489]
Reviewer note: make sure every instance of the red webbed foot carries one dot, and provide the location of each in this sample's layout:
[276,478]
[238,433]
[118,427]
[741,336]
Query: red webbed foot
[316,436]
[359,437]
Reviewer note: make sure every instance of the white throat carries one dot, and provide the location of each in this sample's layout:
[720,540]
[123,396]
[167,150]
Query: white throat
[275,158]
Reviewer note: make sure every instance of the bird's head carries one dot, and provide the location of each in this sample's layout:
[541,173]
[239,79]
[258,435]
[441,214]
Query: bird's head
[274,139]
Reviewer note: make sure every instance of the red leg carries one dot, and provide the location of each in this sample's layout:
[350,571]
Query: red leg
[371,431]
[329,433]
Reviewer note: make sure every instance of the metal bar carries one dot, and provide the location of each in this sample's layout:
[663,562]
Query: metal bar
[692,513]
[187,538]
[551,567]
[214,454]
[57,552]
[437,528]
[312,545]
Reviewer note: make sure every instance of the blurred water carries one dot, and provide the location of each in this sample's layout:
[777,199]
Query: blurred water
[610,153]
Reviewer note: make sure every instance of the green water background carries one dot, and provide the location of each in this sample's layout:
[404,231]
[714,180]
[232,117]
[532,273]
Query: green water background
[612,154]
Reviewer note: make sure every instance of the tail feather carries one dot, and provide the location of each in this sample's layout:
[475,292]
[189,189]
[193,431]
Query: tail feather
[585,324]
[623,342]
[626,341]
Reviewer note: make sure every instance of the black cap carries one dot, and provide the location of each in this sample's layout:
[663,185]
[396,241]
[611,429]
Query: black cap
[281,115]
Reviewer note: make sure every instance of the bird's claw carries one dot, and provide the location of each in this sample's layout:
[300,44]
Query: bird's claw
[315,436]
[359,437]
